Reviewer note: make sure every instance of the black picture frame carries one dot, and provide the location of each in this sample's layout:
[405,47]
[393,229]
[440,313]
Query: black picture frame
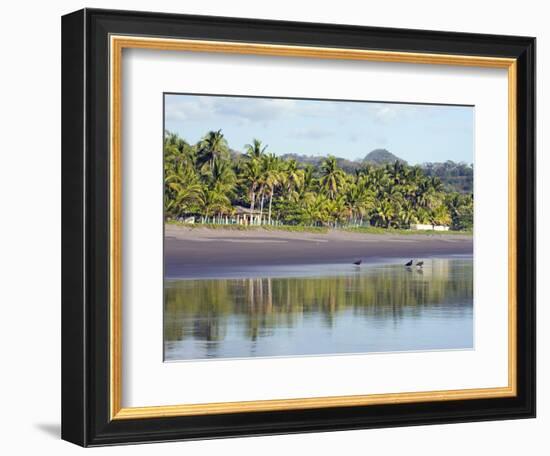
[85,228]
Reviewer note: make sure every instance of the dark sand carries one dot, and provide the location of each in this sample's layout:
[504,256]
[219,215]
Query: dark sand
[196,252]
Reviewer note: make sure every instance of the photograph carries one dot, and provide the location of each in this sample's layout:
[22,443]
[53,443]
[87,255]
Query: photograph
[316,227]
[285,224]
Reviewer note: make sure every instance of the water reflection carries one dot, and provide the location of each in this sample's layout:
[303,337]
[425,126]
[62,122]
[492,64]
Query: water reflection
[372,308]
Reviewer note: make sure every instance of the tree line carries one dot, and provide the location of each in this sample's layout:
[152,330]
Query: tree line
[455,176]
[208,179]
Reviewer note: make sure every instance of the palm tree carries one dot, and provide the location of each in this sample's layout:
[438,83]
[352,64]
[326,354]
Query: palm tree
[396,171]
[251,176]
[315,210]
[336,208]
[359,200]
[352,196]
[221,174]
[173,140]
[461,210]
[332,177]
[292,179]
[384,212]
[407,214]
[440,215]
[211,147]
[182,189]
[436,184]
[255,150]
[255,170]
[272,178]
[213,200]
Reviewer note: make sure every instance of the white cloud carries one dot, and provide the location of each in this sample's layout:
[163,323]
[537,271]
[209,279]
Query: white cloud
[311,133]
[244,110]
[197,108]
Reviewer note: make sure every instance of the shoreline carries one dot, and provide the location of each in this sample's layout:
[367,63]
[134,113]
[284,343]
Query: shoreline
[305,270]
[195,252]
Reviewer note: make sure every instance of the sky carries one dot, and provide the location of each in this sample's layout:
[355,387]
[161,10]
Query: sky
[414,132]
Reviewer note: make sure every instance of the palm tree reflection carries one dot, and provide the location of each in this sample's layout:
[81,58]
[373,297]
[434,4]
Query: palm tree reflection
[208,310]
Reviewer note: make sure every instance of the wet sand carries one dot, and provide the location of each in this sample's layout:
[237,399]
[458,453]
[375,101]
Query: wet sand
[194,252]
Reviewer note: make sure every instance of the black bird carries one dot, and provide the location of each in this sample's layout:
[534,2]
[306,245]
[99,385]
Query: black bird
[420,264]
[358,262]
[410,263]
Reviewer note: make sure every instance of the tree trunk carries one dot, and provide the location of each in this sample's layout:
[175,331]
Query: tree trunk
[252,200]
[269,213]
[262,207]
[269,306]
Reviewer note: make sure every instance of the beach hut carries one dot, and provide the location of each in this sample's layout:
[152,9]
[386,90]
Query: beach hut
[247,217]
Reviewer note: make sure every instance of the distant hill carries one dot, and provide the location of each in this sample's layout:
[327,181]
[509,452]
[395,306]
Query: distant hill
[381,157]
[348,166]
[376,157]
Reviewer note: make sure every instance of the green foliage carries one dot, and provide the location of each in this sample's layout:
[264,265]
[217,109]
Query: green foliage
[455,177]
[458,177]
[207,180]
[461,210]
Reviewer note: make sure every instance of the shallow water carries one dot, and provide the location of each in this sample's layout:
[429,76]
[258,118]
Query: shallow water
[320,310]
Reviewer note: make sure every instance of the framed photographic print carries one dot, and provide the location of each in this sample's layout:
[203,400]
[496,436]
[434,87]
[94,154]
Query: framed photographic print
[280,227]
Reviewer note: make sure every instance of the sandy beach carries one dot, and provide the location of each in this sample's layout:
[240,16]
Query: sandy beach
[192,252]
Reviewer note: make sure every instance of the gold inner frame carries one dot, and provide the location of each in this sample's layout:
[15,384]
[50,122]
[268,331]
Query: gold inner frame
[117,44]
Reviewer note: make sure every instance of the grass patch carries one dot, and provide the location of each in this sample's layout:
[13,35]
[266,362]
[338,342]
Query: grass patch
[389,231]
[314,229]
[214,226]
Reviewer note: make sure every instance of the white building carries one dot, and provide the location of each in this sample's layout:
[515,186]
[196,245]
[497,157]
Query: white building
[420,226]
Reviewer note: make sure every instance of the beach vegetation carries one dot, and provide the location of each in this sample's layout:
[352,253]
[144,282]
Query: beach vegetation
[216,185]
